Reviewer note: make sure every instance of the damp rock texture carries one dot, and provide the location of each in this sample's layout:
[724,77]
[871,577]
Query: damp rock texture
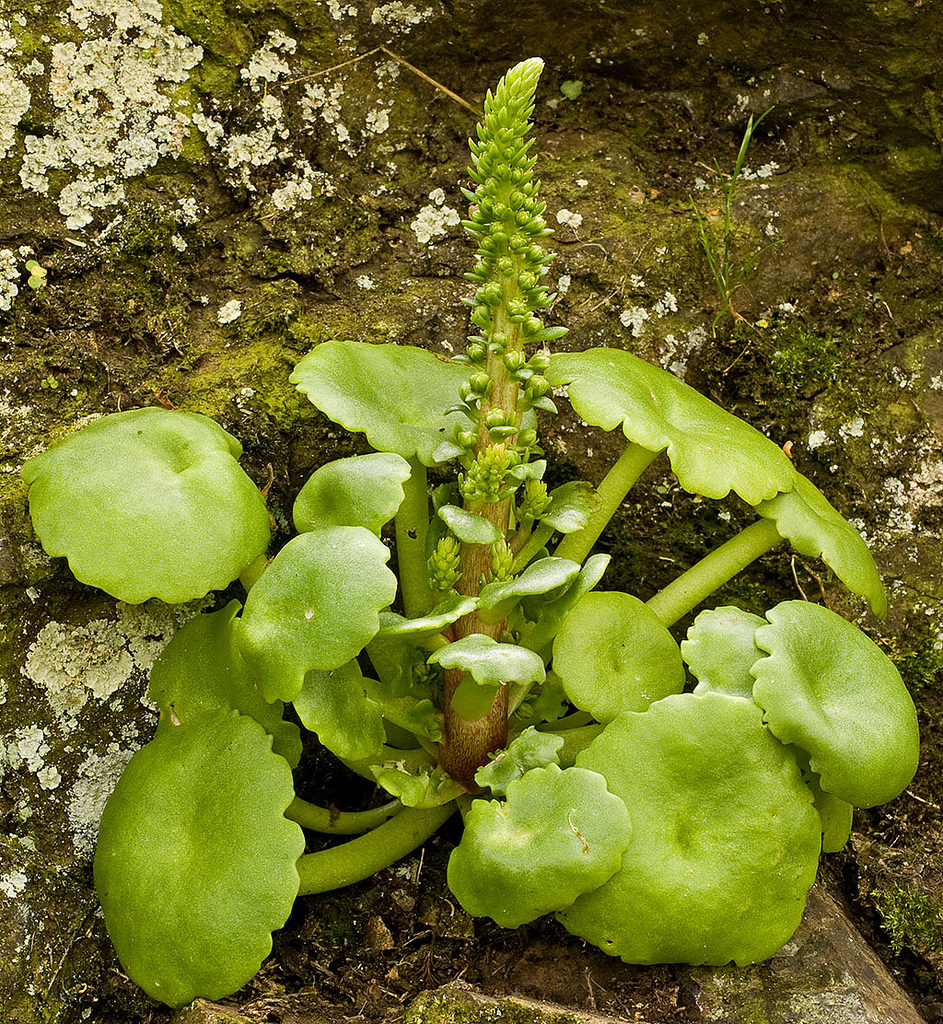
[192,195]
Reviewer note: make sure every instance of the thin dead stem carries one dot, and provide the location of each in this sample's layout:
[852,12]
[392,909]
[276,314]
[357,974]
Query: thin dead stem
[400,60]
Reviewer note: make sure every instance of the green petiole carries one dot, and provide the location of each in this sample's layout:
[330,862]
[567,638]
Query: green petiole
[610,494]
[714,570]
[342,823]
[360,858]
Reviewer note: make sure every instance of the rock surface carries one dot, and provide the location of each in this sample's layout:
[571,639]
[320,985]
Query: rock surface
[214,188]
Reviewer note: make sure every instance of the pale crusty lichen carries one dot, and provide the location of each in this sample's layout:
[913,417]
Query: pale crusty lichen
[75,664]
[435,218]
[14,93]
[114,115]
[86,672]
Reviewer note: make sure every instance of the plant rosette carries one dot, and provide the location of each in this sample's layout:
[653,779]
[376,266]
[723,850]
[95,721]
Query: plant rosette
[481,670]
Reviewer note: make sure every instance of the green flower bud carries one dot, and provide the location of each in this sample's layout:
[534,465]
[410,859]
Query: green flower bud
[465,438]
[480,384]
[502,560]
[537,387]
[513,361]
[539,362]
[443,564]
[476,352]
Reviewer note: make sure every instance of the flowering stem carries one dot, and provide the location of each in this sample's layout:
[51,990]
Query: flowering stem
[506,220]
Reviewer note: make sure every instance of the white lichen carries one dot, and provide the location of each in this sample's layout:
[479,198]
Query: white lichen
[15,96]
[230,312]
[434,219]
[97,776]
[676,352]
[568,218]
[268,63]
[9,275]
[75,664]
[115,115]
[853,428]
[260,146]
[304,182]
[398,16]
[13,883]
[634,318]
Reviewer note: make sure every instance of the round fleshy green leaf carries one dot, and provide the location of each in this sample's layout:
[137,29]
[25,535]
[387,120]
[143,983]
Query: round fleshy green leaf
[559,834]
[614,654]
[837,819]
[202,670]
[195,866]
[490,663]
[540,577]
[806,519]
[471,700]
[366,490]
[336,706]
[725,840]
[430,787]
[837,815]
[469,527]
[415,630]
[833,692]
[148,503]
[571,505]
[531,749]
[720,650]
[553,614]
[711,451]
[395,394]
[315,607]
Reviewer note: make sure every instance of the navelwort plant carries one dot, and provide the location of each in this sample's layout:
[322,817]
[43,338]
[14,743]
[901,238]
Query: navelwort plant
[659,824]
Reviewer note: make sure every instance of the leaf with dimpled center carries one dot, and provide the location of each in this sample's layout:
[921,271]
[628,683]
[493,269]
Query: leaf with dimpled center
[195,865]
[833,692]
[558,835]
[711,451]
[201,670]
[614,654]
[725,840]
[148,503]
[315,607]
[366,490]
[395,394]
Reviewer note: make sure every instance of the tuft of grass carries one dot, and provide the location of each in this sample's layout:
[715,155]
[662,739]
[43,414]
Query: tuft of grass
[728,270]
